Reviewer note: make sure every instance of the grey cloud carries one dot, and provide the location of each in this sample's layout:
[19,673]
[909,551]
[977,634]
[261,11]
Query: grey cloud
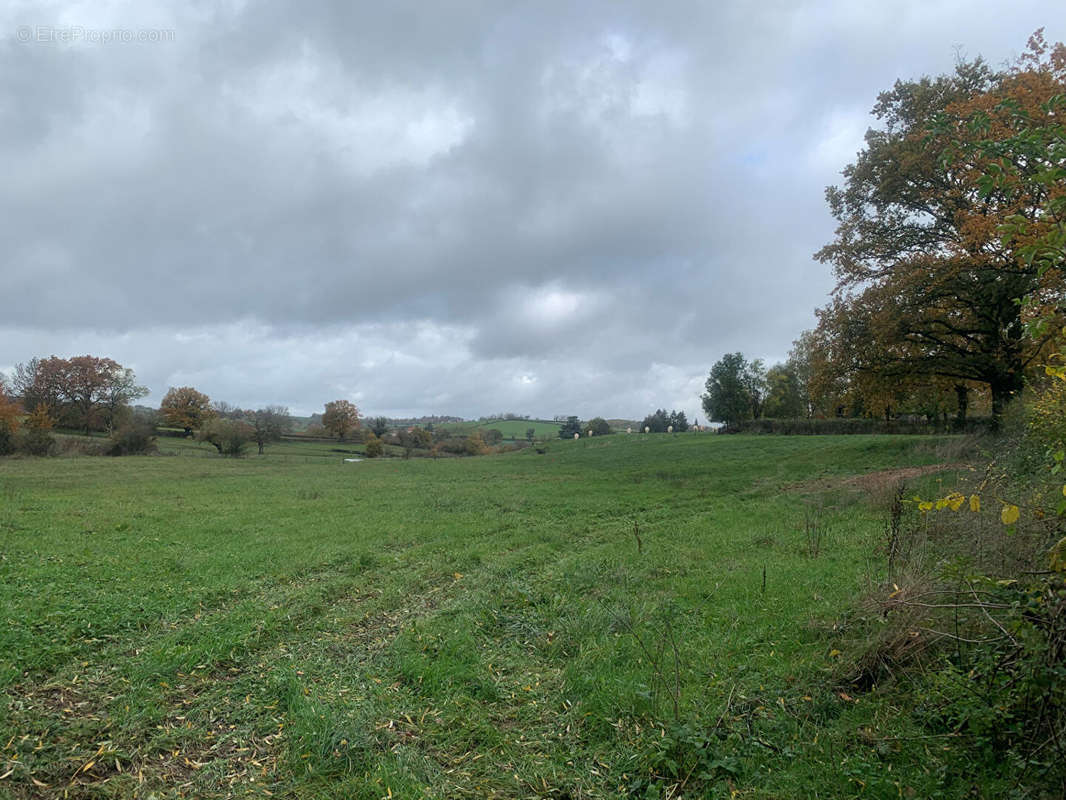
[301,188]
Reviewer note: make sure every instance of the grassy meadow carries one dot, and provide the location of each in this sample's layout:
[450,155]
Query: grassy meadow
[654,616]
[510,428]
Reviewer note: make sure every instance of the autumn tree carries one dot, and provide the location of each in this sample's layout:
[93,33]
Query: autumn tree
[37,438]
[39,383]
[99,388]
[921,268]
[85,391]
[10,412]
[341,417]
[184,407]
[1022,147]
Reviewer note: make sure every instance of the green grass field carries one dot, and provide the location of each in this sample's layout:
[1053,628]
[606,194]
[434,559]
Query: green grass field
[510,428]
[641,615]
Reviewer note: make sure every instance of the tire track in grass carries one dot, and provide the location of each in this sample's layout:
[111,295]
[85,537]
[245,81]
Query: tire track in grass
[59,719]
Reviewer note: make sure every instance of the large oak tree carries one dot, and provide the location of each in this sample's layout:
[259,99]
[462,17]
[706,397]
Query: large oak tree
[186,408]
[83,391]
[340,418]
[926,285]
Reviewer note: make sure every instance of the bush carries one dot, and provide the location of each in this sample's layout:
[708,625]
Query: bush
[7,440]
[970,621]
[79,446]
[36,442]
[229,436]
[133,438]
[375,448]
[598,426]
[662,420]
[851,425]
[474,445]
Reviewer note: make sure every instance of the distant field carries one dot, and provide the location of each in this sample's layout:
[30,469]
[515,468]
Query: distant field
[510,428]
[625,615]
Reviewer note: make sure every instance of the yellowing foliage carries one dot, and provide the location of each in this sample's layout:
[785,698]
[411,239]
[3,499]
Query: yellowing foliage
[1010,513]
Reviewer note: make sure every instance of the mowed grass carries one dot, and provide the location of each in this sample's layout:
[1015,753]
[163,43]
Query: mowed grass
[625,614]
[510,428]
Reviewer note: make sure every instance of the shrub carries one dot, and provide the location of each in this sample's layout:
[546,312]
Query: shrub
[474,445]
[662,420]
[375,448]
[36,442]
[971,617]
[492,436]
[37,439]
[79,446]
[7,440]
[599,426]
[229,436]
[850,425]
[133,438]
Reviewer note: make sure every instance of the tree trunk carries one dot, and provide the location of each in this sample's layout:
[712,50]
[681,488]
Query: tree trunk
[1001,395]
[962,392]
[260,448]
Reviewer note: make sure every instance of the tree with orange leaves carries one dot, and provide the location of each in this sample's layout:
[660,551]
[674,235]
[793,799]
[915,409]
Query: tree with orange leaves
[184,407]
[340,418]
[84,391]
[922,269]
[10,412]
[1022,149]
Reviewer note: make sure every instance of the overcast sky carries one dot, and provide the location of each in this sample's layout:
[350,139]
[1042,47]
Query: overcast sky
[452,208]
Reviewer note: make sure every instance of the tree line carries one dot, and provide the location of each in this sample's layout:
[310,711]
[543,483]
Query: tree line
[948,256]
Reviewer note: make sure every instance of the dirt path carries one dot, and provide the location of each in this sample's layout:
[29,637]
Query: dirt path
[870,481]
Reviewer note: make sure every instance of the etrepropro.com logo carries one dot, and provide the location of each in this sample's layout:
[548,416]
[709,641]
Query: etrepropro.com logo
[73,34]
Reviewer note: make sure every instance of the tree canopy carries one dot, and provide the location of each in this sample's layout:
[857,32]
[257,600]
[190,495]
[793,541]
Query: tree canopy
[735,389]
[927,287]
[268,424]
[184,407]
[341,417]
[85,392]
